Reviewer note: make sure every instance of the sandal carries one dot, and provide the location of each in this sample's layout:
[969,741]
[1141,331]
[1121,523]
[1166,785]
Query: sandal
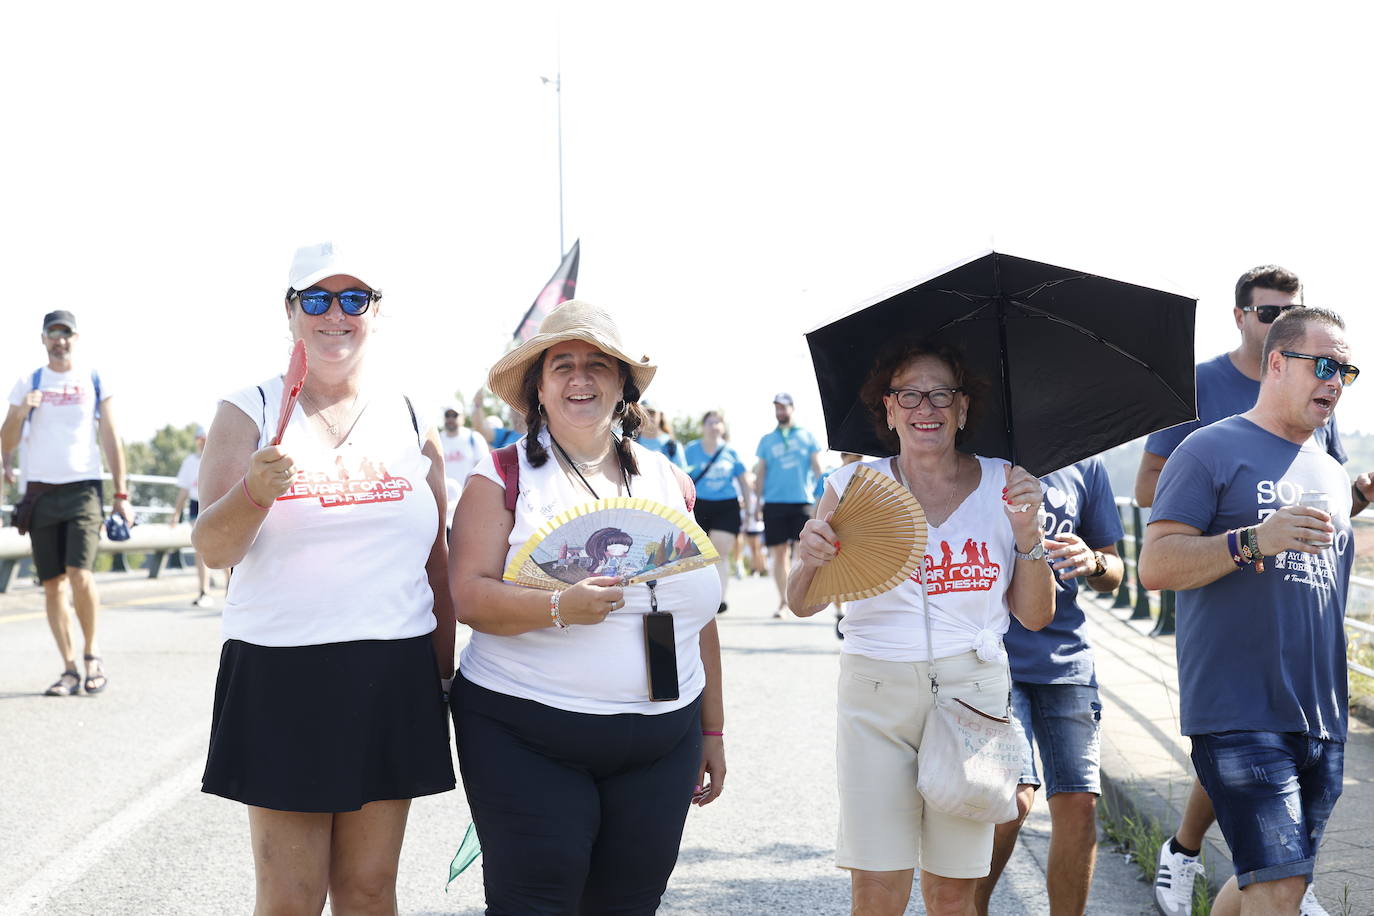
[96,680]
[68,685]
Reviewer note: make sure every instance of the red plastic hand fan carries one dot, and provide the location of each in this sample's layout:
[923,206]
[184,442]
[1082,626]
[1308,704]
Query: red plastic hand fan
[293,381]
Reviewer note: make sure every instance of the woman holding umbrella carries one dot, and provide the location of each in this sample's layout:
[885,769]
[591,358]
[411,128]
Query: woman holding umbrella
[329,713]
[984,561]
[579,782]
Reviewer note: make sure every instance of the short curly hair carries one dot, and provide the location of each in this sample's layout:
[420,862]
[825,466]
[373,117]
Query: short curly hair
[896,358]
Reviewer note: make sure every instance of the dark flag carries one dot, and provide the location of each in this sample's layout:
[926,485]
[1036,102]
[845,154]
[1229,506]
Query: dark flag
[558,290]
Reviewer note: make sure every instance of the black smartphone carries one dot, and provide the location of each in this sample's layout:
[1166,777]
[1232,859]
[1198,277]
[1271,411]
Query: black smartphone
[660,647]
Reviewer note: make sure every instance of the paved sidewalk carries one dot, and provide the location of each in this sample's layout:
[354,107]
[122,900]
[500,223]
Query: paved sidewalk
[1145,762]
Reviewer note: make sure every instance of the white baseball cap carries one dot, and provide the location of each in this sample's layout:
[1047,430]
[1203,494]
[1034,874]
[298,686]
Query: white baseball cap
[313,263]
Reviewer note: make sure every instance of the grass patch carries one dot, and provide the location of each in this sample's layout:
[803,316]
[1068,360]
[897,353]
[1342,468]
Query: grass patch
[1140,838]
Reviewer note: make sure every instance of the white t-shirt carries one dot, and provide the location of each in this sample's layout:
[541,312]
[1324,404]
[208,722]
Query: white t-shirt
[188,475]
[342,555]
[598,669]
[462,451]
[969,562]
[62,444]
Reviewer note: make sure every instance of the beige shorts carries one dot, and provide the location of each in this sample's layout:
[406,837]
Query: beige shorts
[884,824]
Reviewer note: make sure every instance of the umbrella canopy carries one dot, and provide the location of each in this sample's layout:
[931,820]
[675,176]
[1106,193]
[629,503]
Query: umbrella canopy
[1074,363]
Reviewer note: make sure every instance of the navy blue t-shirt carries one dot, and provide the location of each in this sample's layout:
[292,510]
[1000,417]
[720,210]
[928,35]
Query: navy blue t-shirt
[1224,391]
[1078,500]
[1260,652]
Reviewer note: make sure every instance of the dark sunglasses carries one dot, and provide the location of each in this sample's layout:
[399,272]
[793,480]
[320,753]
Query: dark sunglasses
[910,398]
[315,301]
[56,333]
[1325,367]
[1267,313]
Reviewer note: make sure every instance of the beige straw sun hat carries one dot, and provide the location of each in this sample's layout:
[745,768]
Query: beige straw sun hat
[573,320]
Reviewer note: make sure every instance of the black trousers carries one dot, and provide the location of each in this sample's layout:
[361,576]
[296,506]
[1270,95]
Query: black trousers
[578,815]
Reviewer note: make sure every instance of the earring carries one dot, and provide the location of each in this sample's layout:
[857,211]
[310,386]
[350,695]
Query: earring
[891,426]
[620,407]
[540,409]
[961,424]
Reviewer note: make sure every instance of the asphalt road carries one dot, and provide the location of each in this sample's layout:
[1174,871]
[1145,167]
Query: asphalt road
[101,809]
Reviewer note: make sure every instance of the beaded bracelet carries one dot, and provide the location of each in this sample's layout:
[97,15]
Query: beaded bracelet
[709,734]
[556,617]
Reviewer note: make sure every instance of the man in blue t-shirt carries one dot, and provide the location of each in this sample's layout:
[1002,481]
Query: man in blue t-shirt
[1227,384]
[1054,686]
[789,463]
[1252,527]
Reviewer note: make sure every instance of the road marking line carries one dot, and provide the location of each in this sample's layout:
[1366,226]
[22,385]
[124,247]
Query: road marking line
[68,868]
[177,599]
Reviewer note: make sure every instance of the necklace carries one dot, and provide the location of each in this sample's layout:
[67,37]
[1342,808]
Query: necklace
[589,466]
[332,428]
[582,467]
[953,489]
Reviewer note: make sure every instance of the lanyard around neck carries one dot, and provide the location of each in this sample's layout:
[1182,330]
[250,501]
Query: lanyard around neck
[572,464]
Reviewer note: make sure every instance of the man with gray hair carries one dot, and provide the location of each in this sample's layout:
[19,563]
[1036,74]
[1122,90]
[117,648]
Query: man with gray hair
[69,423]
[1251,525]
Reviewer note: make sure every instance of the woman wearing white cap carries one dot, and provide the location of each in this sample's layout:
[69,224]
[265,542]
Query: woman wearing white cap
[329,713]
[579,783]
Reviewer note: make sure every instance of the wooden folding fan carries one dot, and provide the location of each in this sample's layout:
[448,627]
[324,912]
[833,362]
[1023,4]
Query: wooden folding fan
[883,532]
[630,537]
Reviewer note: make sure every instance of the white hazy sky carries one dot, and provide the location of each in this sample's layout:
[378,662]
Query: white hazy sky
[737,172]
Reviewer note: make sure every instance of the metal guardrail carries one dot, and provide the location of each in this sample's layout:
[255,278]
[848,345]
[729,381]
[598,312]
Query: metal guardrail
[161,547]
[1130,594]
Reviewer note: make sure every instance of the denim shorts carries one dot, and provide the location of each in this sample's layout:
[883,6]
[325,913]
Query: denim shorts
[1273,793]
[1063,721]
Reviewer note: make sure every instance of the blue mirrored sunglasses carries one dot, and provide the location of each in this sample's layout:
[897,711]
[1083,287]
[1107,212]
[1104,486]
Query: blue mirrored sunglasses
[315,301]
[1325,367]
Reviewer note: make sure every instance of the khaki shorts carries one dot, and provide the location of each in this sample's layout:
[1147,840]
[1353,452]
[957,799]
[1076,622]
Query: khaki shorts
[65,529]
[884,824]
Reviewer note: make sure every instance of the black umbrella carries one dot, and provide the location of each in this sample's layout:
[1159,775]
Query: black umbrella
[1074,363]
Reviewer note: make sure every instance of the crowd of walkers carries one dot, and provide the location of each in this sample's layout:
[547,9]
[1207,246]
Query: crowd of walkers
[361,537]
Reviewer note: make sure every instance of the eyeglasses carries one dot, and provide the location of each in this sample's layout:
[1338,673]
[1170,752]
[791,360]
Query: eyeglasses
[1325,367]
[1267,313]
[315,301]
[59,333]
[911,398]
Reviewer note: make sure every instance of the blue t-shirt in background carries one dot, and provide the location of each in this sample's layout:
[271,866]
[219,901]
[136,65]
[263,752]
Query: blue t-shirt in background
[1260,652]
[719,480]
[1078,500]
[1224,391]
[786,456]
[667,446]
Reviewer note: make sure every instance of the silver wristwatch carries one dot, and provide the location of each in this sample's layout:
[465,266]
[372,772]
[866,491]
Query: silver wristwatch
[1035,553]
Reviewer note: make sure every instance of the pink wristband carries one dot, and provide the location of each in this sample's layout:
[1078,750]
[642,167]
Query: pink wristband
[244,481]
[707,734]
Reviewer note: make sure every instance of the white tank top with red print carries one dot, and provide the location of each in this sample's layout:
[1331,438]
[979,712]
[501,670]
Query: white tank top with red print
[342,555]
[968,563]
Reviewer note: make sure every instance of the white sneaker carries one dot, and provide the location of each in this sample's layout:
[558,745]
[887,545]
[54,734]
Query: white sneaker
[1310,905]
[203,600]
[1174,881]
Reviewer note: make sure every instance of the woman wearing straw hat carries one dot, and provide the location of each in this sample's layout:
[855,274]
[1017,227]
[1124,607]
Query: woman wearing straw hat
[579,783]
[329,712]
[984,559]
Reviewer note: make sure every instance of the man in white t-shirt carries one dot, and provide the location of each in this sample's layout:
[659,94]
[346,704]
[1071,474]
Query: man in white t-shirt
[462,448]
[188,481]
[64,415]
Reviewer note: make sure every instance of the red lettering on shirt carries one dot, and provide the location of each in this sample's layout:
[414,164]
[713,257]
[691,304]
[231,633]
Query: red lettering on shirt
[368,483]
[971,570]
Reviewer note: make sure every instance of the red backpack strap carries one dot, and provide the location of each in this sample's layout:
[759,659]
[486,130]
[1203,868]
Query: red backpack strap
[689,489]
[508,466]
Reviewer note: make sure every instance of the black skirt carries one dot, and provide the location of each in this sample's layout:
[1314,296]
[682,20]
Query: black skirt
[328,728]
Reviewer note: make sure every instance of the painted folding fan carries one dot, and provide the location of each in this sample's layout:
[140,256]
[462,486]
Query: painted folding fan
[635,538]
[883,530]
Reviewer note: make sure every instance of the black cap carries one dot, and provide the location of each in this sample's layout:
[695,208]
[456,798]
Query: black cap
[61,316]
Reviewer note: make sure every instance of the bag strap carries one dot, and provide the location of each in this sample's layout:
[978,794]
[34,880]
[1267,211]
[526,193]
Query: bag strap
[414,422]
[37,380]
[508,466]
[696,478]
[95,383]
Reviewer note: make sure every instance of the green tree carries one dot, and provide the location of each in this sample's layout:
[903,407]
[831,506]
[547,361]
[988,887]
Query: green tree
[686,429]
[160,456]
